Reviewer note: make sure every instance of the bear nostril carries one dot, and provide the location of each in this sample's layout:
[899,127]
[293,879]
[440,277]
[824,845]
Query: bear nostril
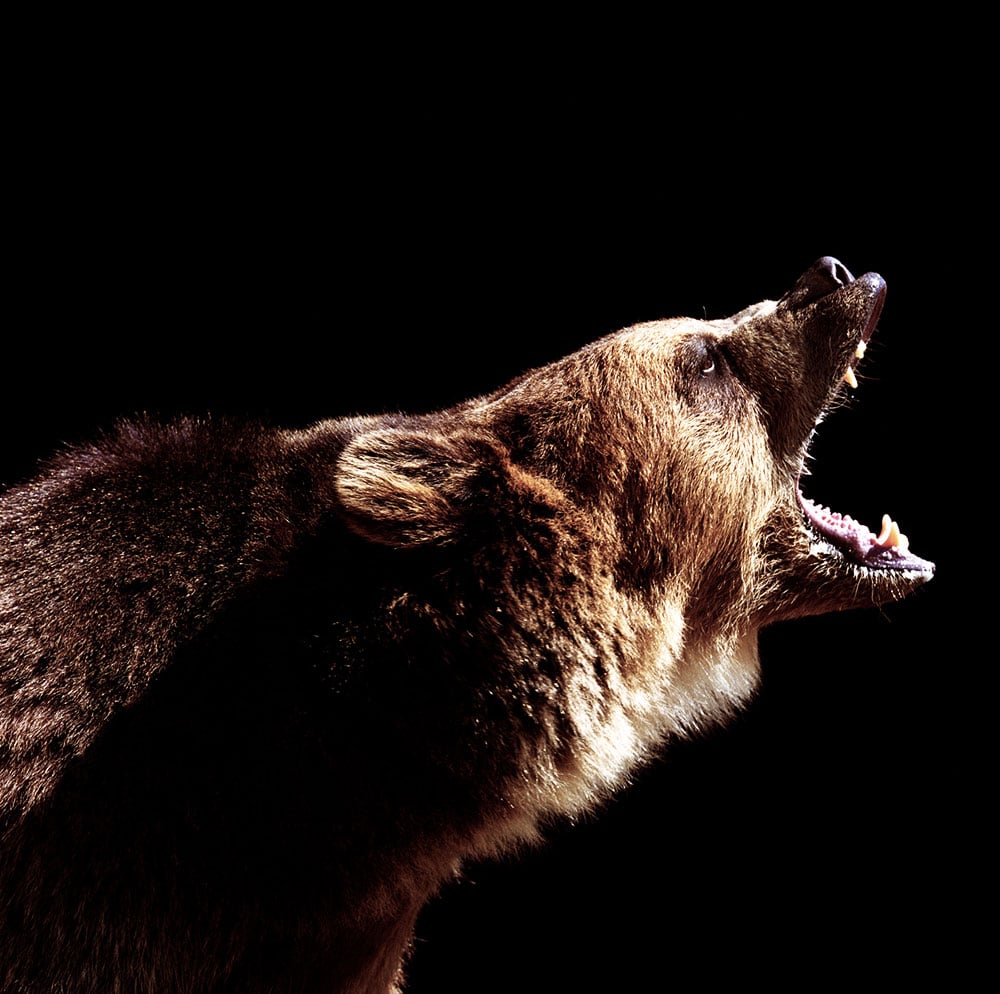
[824,276]
[834,270]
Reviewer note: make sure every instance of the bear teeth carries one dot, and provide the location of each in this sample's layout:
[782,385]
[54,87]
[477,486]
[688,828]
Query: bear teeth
[890,537]
[849,377]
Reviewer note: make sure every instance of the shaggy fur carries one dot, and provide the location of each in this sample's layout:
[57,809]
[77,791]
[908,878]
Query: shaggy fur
[262,692]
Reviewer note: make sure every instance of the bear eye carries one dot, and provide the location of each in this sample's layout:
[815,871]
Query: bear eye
[711,385]
[708,362]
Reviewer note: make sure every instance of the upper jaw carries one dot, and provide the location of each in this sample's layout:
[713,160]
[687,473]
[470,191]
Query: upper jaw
[842,315]
[796,354]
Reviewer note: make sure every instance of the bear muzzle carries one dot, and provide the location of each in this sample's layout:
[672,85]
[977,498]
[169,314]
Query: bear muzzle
[846,310]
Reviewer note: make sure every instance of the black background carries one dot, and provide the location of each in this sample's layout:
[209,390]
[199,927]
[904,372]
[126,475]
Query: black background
[284,241]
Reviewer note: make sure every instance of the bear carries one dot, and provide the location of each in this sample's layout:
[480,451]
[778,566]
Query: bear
[264,691]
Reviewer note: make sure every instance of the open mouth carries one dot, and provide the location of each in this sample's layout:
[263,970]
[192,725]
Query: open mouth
[888,548]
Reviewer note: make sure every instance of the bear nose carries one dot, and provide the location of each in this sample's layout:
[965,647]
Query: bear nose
[822,277]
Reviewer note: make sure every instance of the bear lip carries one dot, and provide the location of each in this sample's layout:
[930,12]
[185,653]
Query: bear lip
[876,294]
[877,302]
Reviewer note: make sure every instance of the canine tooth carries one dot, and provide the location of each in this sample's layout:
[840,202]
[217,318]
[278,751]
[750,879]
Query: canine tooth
[850,379]
[860,350]
[886,528]
[890,536]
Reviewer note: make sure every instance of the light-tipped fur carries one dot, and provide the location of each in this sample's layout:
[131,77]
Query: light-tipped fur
[262,692]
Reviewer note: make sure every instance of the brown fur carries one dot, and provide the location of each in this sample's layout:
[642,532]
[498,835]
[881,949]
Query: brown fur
[263,692]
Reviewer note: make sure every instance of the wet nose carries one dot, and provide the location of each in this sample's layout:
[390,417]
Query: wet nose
[822,277]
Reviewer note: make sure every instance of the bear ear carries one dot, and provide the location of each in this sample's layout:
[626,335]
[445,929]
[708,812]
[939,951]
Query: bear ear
[405,487]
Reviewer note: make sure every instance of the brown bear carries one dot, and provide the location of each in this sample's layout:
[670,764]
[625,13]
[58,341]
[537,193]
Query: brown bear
[262,692]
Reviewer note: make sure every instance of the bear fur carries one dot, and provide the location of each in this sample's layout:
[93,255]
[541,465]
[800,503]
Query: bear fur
[262,691]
